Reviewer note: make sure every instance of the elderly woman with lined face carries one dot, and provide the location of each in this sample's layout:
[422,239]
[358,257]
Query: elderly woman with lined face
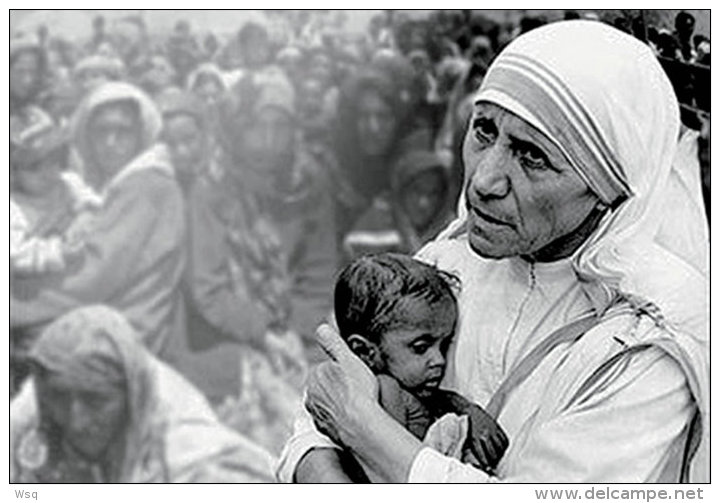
[583,317]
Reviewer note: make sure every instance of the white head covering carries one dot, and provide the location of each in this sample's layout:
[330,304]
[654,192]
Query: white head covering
[601,96]
[151,156]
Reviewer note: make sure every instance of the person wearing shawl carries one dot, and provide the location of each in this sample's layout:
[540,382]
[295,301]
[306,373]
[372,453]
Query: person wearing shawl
[208,82]
[28,66]
[594,357]
[372,121]
[100,407]
[136,241]
[264,230]
[206,357]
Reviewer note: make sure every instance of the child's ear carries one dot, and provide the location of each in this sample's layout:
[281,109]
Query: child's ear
[368,351]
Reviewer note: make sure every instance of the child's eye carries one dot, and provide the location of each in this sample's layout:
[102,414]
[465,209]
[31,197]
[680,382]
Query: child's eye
[420,348]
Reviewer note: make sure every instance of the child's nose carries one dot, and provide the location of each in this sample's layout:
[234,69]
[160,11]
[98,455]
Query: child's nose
[437,359]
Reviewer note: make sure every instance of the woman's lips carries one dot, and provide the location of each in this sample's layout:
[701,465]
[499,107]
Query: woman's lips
[488,218]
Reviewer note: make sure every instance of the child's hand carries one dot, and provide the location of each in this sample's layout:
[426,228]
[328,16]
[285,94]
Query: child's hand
[486,439]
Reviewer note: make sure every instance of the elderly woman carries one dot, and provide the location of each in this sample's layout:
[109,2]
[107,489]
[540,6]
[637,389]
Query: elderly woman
[100,408]
[136,241]
[263,230]
[583,313]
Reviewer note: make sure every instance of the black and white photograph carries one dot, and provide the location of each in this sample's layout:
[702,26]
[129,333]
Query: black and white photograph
[360,246]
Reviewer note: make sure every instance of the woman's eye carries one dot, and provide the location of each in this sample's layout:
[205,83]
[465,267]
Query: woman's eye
[484,130]
[531,157]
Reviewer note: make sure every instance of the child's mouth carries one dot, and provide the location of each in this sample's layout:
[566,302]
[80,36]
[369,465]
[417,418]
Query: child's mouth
[432,383]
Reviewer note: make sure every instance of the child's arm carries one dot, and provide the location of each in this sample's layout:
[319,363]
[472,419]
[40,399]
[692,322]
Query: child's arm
[329,466]
[31,255]
[487,440]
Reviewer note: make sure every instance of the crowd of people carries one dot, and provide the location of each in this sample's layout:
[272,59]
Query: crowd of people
[181,206]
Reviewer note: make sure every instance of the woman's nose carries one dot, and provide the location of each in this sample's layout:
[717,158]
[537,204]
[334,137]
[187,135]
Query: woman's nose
[374,124]
[111,139]
[79,416]
[490,178]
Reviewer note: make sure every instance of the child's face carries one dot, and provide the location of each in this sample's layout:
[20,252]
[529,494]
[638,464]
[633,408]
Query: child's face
[39,178]
[422,198]
[415,353]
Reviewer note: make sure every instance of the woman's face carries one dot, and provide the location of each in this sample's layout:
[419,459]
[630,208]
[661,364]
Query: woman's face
[25,75]
[115,136]
[423,197]
[208,88]
[186,142]
[376,124]
[522,194]
[90,420]
[268,140]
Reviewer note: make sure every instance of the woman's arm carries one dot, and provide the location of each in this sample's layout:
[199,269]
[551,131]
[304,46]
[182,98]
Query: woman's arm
[224,307]
[327,466]
[342,397]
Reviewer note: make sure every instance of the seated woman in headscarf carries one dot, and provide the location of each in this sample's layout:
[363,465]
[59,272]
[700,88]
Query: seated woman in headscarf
[99,407]
[265,229]
[203,354]
[136,241]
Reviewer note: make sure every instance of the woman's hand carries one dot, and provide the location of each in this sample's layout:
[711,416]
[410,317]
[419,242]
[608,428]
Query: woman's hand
[338,389]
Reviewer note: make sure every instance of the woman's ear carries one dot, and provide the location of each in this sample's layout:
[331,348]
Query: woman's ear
[368,351]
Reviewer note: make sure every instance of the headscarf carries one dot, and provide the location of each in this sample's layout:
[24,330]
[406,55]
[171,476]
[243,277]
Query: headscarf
[253,92]
[173,101]
[111,67]
[171,434]
[115,92]
[206,70]
[96,347]
[28,43]
[617,122]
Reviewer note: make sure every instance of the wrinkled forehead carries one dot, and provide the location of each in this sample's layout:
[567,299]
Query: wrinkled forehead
[521,127]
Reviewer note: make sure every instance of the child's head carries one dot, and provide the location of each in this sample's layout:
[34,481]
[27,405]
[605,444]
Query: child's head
[398,314]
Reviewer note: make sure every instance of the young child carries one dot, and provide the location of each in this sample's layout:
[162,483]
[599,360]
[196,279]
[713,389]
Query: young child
[45,204]
[399,315]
